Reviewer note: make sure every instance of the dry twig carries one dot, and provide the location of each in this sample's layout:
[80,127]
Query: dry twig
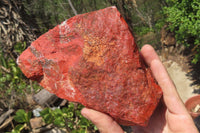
[6,123]
[71,5]
[5,115]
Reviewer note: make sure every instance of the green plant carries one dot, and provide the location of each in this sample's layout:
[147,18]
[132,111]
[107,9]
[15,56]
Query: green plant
[69,118]
[49,13]
[23,118]
[142,30]
[183,17]
[11,78]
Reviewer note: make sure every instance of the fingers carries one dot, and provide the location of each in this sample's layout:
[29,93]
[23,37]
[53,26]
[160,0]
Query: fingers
[170,95]
[104,123]
[149,54]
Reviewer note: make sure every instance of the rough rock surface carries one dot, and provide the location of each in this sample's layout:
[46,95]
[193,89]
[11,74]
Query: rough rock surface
[92,59]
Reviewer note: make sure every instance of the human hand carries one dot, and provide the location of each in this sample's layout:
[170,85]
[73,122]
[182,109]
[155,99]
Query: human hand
[170,116]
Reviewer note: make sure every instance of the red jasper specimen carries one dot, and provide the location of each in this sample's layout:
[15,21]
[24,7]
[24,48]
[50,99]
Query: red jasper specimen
[92,59]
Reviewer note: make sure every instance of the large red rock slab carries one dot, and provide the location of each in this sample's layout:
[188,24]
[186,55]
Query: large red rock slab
[92,59]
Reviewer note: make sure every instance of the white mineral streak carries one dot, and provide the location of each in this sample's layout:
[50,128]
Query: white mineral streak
[67,88]
[70,88]
[18,60]
[114,7]
[64,29]
[63,23]
[56,86]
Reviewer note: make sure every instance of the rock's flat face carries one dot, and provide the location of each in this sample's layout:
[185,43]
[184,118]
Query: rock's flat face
[92,59]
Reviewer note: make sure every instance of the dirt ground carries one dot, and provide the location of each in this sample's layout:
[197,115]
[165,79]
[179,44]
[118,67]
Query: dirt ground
[180,79]
[180,71]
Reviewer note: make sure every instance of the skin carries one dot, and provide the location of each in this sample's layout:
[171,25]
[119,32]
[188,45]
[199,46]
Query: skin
[170,116]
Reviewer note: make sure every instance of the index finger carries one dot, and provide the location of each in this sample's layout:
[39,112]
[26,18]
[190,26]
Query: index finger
[170,95]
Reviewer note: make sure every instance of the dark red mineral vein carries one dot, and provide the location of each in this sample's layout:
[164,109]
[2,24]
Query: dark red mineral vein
[92,59]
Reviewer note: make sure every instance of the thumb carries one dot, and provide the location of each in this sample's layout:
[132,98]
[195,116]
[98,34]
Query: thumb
[103,122]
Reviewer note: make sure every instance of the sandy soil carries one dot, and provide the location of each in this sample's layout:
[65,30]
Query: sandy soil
[180,78]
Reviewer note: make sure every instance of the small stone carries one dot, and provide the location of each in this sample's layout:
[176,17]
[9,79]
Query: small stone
[36,112]
[36,122]
[93,59]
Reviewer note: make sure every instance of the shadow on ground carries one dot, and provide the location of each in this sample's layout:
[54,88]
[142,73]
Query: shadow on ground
[197,122]
[194,74]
